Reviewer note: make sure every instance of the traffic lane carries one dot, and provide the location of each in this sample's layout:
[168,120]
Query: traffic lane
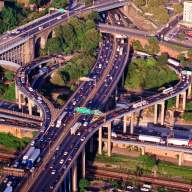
[80,140]
[41,183]
[61,167]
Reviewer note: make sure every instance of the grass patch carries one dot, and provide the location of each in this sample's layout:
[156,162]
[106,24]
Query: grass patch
[146,164]
[11,142]
[9,92]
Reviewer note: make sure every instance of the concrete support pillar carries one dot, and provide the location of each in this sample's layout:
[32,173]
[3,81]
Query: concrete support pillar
[19,99]
[155,113]
[184,100]
[43,42]
[40,113]
[122,79]
[29,48]
[16,93]
[189,91]
[124,124]
[142,150]
[74,177]
[180,159]
[83,163]
[132,124]
[162,112]
[109,140]
[30,107]
[177,102]
[100,140]
[91,145]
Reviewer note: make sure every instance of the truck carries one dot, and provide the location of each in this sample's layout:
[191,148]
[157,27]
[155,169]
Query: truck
[121,51]
[58,124]
[113,134]
[8,189]
[168,90]
[178,141]
[28,154]
[185,72]
[75,128]
[173,62]
[150,138]
[33,158]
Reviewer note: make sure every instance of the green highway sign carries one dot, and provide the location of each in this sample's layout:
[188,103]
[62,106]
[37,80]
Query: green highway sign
[61,10]
[85,110]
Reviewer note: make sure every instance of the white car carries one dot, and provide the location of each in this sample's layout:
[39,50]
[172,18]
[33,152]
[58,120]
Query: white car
[53,172]
[59,17]
[65,153]
[83,139]
[40,28]
[61,161]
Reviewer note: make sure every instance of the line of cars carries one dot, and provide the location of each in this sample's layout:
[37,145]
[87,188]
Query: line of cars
[79,137]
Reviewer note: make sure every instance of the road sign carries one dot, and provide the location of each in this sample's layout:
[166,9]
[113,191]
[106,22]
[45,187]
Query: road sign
[85,110]
[61,10]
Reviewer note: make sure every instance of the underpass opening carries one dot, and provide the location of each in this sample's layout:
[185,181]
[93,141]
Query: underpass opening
[37,47]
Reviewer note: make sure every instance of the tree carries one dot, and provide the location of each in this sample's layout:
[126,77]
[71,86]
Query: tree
[9,75]
[91,40]
[178,8]
[137,45]
[60,3]
[139,3]
[2,90]
[69,36]
[189,53]
[83,183]
[181,58]
[9,18]
[153,47]
[162,59]
[53,46]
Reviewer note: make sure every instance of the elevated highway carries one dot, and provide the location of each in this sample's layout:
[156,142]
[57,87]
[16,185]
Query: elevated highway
[93,94]
[115,29]
[19,44]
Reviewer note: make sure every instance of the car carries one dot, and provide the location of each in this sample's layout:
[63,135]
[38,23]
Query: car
[40,28]
[59,17]
[32,169]
[85,124]
[5,180]
[83,139]
[69,159]
[32,143]
[61,161]
[57,148]
[53,172]
[65,153]
[9,183]
[78,133]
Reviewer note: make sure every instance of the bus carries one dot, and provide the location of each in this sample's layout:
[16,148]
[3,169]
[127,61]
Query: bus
[168,90]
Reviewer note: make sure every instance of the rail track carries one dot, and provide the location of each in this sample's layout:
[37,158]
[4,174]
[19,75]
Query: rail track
[98,172]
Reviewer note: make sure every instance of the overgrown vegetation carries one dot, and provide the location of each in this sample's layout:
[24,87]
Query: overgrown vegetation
[7,86]
[11,16]
[148,73]
[80,38]
[188,112]
[11,142]
[157,11]
[144,165]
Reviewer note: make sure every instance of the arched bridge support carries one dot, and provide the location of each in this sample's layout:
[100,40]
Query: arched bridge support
[184,97]
[162,113]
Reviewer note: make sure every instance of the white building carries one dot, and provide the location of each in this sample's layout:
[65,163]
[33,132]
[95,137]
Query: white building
[187,12]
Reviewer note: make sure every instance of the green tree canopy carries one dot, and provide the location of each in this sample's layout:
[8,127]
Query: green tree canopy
[53,46]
